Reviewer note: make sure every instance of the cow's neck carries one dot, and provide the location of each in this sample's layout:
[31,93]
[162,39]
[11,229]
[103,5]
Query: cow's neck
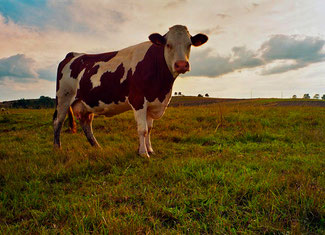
[154,77]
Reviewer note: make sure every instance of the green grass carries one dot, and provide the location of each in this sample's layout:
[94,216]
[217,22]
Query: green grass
[229,168]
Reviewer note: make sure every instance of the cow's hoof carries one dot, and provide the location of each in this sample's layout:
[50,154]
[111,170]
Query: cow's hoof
[57,147]
[96,145]
[152,152]
[71,131]
[144,155]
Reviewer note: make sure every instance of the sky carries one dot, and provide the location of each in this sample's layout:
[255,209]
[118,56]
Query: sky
[256,48]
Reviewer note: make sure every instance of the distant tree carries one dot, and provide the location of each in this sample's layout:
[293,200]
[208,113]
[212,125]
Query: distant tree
[294,97]
[175,93]
[206,95]
[316,96]
[44,101]
[323,97]
[22,103]
[179,93]
[199,95]
[306,96]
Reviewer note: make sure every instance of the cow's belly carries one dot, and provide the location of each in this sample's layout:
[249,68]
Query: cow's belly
[102,109]
[111,109]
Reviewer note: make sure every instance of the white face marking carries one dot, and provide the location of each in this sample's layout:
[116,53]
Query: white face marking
[178,46]
[129,57]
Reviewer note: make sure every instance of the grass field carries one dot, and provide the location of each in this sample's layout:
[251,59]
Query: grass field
[228,168]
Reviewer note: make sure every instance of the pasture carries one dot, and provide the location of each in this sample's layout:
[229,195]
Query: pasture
[239,167]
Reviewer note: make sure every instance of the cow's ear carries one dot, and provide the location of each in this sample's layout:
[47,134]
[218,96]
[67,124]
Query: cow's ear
[199,39]
[157,39]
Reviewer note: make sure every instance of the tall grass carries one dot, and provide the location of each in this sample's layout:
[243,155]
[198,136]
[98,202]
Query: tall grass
[218,169]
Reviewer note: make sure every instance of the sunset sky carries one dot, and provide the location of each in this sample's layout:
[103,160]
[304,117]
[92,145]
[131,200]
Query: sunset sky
[263,48]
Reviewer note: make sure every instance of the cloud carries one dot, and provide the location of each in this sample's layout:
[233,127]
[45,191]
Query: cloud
[279,54]
[22,68]
[213,30]
[299,51]
[278,67]
[293,47]
[34,88]
[95,16]
[17,66]
[205,64]
[222,16]
[244,58]
[174,3]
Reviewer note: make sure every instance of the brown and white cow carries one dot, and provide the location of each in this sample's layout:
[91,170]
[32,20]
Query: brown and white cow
[139,77]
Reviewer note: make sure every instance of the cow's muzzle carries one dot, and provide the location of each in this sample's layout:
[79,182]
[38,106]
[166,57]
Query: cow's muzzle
[181,66]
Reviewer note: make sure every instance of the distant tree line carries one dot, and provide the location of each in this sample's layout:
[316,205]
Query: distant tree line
[42,102]
[307,96]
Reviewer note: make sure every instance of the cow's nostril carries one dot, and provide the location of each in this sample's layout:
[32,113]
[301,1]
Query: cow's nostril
[181,66]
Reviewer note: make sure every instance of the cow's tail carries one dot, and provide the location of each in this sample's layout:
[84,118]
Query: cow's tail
[72,121]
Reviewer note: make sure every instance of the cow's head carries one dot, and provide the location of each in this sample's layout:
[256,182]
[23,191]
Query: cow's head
[177,44]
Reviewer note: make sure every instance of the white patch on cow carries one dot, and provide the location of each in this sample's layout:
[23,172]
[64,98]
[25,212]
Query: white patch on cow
[128,57]
[156,108]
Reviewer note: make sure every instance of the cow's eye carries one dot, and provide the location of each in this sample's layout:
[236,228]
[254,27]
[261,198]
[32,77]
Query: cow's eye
[169,46]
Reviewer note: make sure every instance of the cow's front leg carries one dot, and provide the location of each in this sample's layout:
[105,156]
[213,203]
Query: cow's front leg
[147,138]
[141,119]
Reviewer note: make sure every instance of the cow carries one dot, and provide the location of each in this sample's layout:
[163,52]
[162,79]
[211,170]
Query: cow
[139,77]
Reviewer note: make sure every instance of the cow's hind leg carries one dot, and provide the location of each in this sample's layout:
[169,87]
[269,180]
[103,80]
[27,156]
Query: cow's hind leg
[86,124]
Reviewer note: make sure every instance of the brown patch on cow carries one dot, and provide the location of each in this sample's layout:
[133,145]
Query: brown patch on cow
[62,64]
